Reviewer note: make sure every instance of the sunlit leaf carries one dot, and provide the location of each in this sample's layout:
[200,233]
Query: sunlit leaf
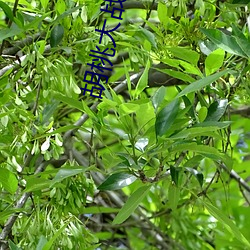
[8,180]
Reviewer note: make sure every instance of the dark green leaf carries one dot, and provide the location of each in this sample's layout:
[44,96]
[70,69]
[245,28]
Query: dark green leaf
[216,110]
[56,35]
[198,175]
[174,172]
[245,2]
[166,117]
[117,181]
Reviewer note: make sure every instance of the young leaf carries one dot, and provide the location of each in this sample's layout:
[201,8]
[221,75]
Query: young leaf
[132,203]
[214,61]
[162,13]
[117,181]
[166,117]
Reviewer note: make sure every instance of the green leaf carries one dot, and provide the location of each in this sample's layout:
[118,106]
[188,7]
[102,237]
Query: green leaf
[223,41]
[41,243]
[227,223]
[174,172]
[214,61]
[49,244]
[186,54]
[132,203]
[98,210]
[166,117]
[161,11]
[8,180]
[177,74]
[193,132]
[143,34]
[35,184]
[128,108]
[198,175]
[219,125]
[9,211]
[9,32]
[13,246]
[117,181]
[56,35]
[197,85]
[7,10]
[173,196]
[158,97]
[44,3]
[216,110]
[143,81]
[245,2]
[70,101]
[66,172]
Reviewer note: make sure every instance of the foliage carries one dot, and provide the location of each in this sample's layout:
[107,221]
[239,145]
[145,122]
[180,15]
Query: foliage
[161,162]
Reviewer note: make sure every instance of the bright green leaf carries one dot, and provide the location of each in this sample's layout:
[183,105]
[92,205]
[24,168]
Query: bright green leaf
[214,61]
[8,180]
